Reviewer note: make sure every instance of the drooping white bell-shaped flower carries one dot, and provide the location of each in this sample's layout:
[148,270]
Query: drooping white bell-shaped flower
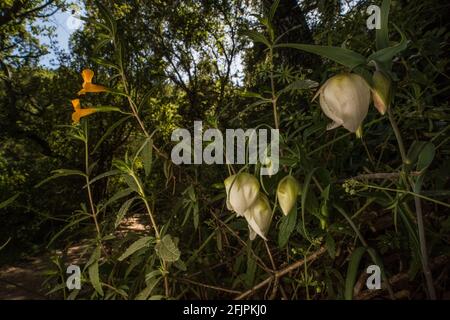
[242,190]
[259,217]
[345,99]
[287,191]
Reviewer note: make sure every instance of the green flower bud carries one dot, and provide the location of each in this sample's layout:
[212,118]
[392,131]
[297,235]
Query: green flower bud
[287,191]
[381,91]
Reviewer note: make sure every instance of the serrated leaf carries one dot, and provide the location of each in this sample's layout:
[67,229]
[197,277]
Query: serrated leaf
[300,84]
[123,211]
[167,249]
[95,256]
[94,277]
[135,246]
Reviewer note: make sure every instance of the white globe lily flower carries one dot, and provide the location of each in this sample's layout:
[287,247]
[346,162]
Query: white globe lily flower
[242,190]
[259,217]
[345,99]
[287,191]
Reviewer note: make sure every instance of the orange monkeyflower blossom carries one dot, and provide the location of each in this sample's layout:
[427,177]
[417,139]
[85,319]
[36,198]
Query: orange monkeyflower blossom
[88,86]
[79,113]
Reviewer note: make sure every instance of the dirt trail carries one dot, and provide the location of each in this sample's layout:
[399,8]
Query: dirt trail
[24,279]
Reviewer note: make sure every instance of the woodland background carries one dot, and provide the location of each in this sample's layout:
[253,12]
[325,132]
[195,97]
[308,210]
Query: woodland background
[192,60]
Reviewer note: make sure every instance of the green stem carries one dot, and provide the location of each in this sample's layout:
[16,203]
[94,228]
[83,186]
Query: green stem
[419,213]
[88,183]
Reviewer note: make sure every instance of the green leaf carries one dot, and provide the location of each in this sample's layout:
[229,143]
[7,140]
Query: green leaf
[95,278]
[385,56]
[95,256]
[287,225]
[4,245]
[109,131]
[8,202]
[343,56]
[103,175]
[249,276]
[108,17]
[426,156]
[167,250]
[180,265]
[135,246]
[382,34]
[414,150]
[149,276]
[352,272]
[61,173]
[258,37]
[151,284]
[68,226]
[300,84]
[331,246]
[305,197]
[147,155]
[123,211]
[132,183]
[273,9]
[106,109]
[249,94]
[105,63]
[118,195]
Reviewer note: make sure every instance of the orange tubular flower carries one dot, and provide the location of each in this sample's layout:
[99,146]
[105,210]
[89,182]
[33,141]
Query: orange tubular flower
[88,86]
[79,113]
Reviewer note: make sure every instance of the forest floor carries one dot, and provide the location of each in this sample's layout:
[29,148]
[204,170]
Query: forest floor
[24,278]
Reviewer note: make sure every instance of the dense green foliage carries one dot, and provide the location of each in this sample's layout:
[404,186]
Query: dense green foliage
[231,64]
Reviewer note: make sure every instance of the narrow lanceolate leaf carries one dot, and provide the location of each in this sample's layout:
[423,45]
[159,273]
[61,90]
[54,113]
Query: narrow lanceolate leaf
[135,246]
[151,284]
[123,211]
[61,173]
[95,278]
[4,245]
[147,156]
[352,272]
[258,37]
[9,201]
[287,225]
[343,56]
[382,34]
[300,84]
[95,256]
[167,249]
[385,56]
[426,156]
